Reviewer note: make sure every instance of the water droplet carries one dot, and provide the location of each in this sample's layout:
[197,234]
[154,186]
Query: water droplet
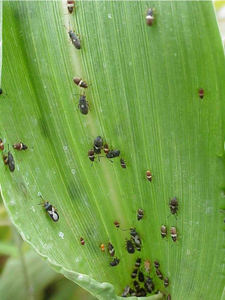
[61,234]
[65,148]
[73,171]
[80,277]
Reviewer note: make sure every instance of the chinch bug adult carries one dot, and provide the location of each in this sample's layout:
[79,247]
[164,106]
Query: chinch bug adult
[138,262]
[166,282]
[11,162]
[147,266]
[106,148]
[113,153]
[98,144]
[173,232]
[117,224]
[130,247]
[163,231]
[20,146]
[91,155]
[82,241]
[141,277]
[140,214]
[78,81]
[135,236]
[111,249]
[115,262]
[156,264]
[70,6]
[173,204]
[134,273]
[201,93]
[149,285]
[159,274]
[1,144]
[150,16]
[141,293]
[74,38]
[83,105]
[122,163]
[51,210]
[149,176]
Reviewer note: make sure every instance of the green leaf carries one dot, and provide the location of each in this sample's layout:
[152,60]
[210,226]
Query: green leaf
[143,101]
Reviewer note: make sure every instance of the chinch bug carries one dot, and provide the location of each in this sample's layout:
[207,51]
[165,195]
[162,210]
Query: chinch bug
[82,241]
[130,247]
[51,210]
[135,236]
[102,247]
[141,277]
[156,264]
[141,293]
[126,291]
[201,93]
[98,144]
[70,6]
[134,273]
[159,274]
[147,266]
[163,231]
[113,153]
[166,282]
[20,146]
[74,38]
[106,148]
[115,262]
[138,262]
[136,285]
[149,176]
[1,91]
[140,214]
[149,285]
[91,155]
[149,16]
[117,224]
[173,204]
[111,249]
[173,232]
[1,144]
[132,292]
[5,159]
[122,163]
[83,105]
[11,162]
[78,81]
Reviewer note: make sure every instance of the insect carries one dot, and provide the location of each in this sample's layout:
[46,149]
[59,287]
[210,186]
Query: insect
[115,262]
[111,249]
[132,292]
[149,176]
[20,146]
[156,264]
[134,273]
[138,262]
[136,285]
[117,224]
[149,17]
[91,155]
[98,143]
[163,231]
[166,282]
[11,162]
[106,148]
[51,210]
[149,285]
[141,293]
[102,247]
[147,266]
[113,153]
[159,274]
[126,291]
[83,105]
[1,144]
[74,38]
[173,232]
[130,247]
[1,91]
[135,236]
[140,214]
[82,241]
[70,6]
[173,204]
[5,159]
[78,81]
[122,163]
[201,93]
[141,277]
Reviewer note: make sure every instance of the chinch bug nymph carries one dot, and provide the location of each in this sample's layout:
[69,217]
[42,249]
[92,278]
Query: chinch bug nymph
[91,155]
[98,144]
[138,262]
[201,93]
[1,144]
[140,214]
[122,163]
[117,224]
[115,262]
[74,38]
[51,210]
[149,285]
[163,231]
[5,159]
[173,204]
[156,264]
[20,146]
[149,176]
[70,6]
[150,16]
[134,273]
[173,232]
[78,81]
[83,105]
[159,274]
[141,277]
[111,249]
[82,241]
[166,282]
[126,291]
[106,148]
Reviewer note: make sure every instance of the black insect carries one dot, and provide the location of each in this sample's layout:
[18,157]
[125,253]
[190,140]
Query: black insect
[122,163]
[163,231]
[173,232]
[20,146]
[201,93]
[51,210]
[115,262]
[149,17]
[136,285]
[134,273]
[1,144]
[149,285]
[83,105]
[136,237]
[149,176]
[166,282]
[156,264]
[173,204]
[74,38]
[159,274]
[113,153]
[78,81]
[5,159]
[70,6]
[106,148]
[126,291]
[132,292]
[98,144]
[138,262]
[141,293]
[141,277]
[111,249]
[130,247]
[91,155]
[117,224]
[11,162]
[140,214]
[1,91]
